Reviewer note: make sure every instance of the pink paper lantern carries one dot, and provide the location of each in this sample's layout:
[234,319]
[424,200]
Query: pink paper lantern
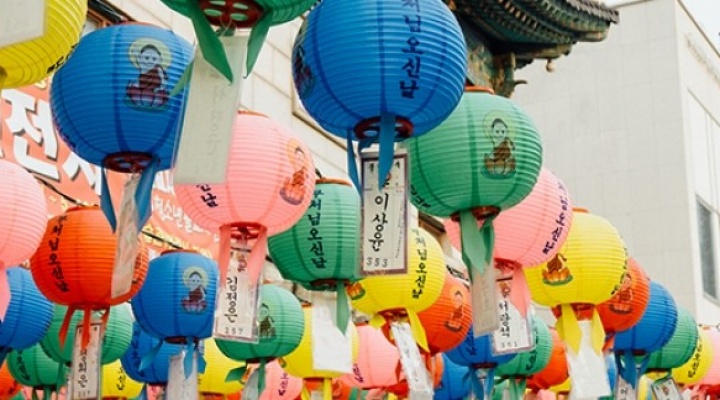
[279,385]
[23,212]
[376,363]
[712,377]
[269,185]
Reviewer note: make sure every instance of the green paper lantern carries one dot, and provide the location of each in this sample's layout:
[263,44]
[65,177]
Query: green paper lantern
[533,361]
[32,367]
[118,334]
[680,347]
[483,159]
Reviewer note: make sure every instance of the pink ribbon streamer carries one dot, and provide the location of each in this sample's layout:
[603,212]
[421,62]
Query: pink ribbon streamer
[519,291]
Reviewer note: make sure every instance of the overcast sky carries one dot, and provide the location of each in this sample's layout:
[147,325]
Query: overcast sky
[707,13]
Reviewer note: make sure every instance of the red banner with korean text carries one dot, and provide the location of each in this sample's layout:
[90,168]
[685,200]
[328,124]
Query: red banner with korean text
[28,137]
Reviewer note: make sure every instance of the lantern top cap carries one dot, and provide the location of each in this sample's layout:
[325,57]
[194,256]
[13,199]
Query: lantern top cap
[249,112]
[170,251]
[82,207]
[484,89]
[335,181]
[581,210]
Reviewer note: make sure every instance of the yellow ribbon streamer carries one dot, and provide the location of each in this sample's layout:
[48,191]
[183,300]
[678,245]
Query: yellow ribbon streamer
[569,329]
[598,333]
[418,331]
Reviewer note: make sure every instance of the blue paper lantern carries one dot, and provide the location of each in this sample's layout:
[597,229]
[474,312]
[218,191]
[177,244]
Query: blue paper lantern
[379,70]
[28,316]
[142,344]
[112,103]
[455,381]
[651,333]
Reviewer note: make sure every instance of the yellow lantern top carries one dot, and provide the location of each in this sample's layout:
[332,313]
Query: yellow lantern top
[28,62]
[117,384]
[216,370]
[589,268]
[699,364]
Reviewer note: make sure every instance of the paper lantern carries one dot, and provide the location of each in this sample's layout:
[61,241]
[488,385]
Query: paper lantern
[530,362]
[712,376]
[22,202]
[118,333]
[280,385]
[377,361]
[111,104]
[410,78]
[116,384]
[455,382]
[9,387]
[212,381]
[681,346]
[269,185]
[27,62]
[28,316]
[386,297]
[32,367]
[695,369]
[141,344]
[628,305]
[556,370]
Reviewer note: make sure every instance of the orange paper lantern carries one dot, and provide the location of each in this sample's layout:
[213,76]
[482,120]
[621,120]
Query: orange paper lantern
[9,387]
[627,306]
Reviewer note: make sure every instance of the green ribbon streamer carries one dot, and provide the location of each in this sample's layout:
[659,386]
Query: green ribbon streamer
[343,308]
[257,37]
[517,388]
[211,46]
[235,374]
[477,244]
[261,376]
[61,378]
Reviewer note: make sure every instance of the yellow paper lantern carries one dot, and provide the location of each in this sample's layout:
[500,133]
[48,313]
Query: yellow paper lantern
[399,295]
[212,382]
[116,384]
[698,365]
[28,62]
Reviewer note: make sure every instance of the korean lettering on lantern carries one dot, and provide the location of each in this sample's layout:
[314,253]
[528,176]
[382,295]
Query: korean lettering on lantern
[316,244]
[421,268]
[53,260]
[560,221]
[208,198]
[378,238]
[413,64]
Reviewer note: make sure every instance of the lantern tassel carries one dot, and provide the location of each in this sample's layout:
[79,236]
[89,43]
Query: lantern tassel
[62,336]
[477,244]
[418,331]
[343,308]
[261,375]
[4,292]
[257,38]
[149,358]
[519,291]
[61,378]
[143,194]
[517,388]
[489,383]
[568,328]
[255,261]
[352,164]
[327,389]
[598,333]
[387,147]
[106,203]
[211,46]
[143,393]
[236,374]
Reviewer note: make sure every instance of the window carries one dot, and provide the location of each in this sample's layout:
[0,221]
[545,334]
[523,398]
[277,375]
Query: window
[707,249]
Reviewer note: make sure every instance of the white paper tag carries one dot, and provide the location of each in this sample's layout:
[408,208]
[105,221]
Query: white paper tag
[587,369]
[515,333]
[128,244]
[666,389]
[21,20]
[418,377]
[250,391]
[178,387]
[385,217]
[484,302]
[237,304]
[331,349]
[624,390]
[212,104]
[85,375]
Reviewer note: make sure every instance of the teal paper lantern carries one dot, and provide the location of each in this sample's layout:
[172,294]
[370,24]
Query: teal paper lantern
[33,368]
[530,362]
[680,348]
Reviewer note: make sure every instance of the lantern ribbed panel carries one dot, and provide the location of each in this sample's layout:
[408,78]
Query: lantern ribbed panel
[212,381]
[477,351]
[281,324]
[698,365]
[117,384]
[278,11]
[376,362]
[455,382]
[140,345]
[656,326]
[525,231]
[461,164]
[28,62]
[588,269]
[268,171]
[300,361]
[365,41]
[24,211]
[9,387]
[680,347]
[334,216]
[178,297]
[29,314]
[85,256]
[556,370]
[113,95]
[118,334]
[627,306]
[530,362]
[279,385]
[713,374]
[32,367]
[378,293]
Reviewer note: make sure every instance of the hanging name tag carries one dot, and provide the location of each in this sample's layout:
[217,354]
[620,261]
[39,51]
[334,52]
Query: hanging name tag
[237,304]
[21,20]
[666,389]
[384,216]
[484,301]
[178,387]
[212,104]
[332,349]
[128,244]
[85,375]
[588,368]
[624,390]
[418,377]
[515,331]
